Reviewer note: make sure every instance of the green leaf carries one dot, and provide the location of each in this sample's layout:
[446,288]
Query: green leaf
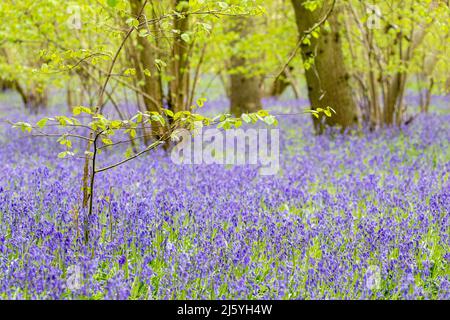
[130,72]
[62,155]
[263,113]
[63,120]
[116,124]
[80,109]
[223,5]
[254,117]
[24,126]
[186,37]
[158,118]
[129,152]
[168,112]
[138,117]
[112,3]
[65,142]
[147,73]
[76,111]
[132,22]
[315,34]
[306,41]
[44,68]
[41,123]
[107,141]
[160,64]
[201,102]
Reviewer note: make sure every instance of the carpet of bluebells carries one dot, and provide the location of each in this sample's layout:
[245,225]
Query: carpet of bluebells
[356,216]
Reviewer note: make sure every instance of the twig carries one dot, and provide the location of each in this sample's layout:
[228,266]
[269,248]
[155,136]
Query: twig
[150,147]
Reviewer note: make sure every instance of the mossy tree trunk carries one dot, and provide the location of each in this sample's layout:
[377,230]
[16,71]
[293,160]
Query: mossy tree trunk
[179,85]
[327,78]
[143,56]
[245,90]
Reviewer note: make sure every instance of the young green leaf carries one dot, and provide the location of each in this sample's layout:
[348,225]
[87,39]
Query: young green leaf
[41,123]
[107,141]
[62,155]
[112,3]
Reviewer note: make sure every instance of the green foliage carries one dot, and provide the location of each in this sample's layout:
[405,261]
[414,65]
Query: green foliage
[408,37]
[105,129]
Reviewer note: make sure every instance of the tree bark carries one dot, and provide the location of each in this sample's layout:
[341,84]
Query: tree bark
[149,78]
[6,85]
[34,99]
[280,85]
[145,60]
[179,85]
[327,79]
[245,91]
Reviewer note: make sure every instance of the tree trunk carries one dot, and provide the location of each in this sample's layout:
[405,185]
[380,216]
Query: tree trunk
[149,78]
[33,98]
[245,91]
[72,99]
[179,86]
[281,84]
[327,79]
[6,85]
[145,63]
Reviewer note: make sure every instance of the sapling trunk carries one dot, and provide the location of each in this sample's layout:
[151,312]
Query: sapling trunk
[91,187]
[98,109]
